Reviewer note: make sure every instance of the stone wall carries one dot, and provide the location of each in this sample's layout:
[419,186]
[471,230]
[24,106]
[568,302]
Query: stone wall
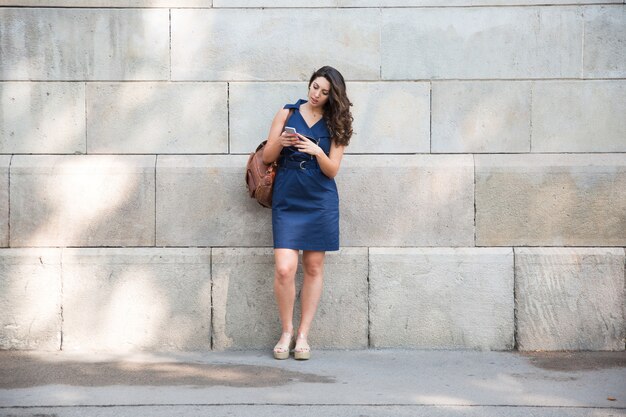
[483,198]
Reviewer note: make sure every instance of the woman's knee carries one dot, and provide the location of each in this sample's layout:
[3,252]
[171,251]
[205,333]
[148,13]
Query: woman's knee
[314,266]
[285,273]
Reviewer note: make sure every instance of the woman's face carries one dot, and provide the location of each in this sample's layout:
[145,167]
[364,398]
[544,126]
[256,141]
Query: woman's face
[318,92]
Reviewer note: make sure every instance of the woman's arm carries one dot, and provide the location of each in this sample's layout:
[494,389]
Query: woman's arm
[277,138]
[328,164]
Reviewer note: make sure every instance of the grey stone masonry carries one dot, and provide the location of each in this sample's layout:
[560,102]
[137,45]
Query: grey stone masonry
[482,196]
[58,44]
[30,299]
[420,200]
[44,117]
[225,44]
[110,3]
[136,298]
[389,117]
[125,299]
[252,107]
[203,201]
[442,298]
[579,116]
[570,298]
[157,118]
[605,36]
[481,116]
[245,310]
[500,42]
[448,3]
[551,200]
[87,200]
[381,3]
[406,200]
[5,160]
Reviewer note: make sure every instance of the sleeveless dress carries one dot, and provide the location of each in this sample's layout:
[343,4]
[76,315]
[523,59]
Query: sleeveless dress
[305,202]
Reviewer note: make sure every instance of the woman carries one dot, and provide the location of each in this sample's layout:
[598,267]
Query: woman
[305,203]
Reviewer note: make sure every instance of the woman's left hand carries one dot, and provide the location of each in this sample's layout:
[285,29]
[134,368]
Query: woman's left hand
[306,145]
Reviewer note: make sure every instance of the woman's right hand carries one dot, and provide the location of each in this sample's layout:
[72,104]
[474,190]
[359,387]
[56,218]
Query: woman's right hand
[287,139]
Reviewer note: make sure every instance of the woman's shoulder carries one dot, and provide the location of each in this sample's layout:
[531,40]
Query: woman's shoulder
[295,105]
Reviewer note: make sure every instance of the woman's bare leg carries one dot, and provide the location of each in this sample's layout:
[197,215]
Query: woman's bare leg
[313,265]
[286,263]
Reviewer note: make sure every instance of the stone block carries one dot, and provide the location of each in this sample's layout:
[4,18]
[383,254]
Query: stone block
[87,200]
[451,3]
[406,200]
[125,299]
[42,117]
[5,161]
[245,310]
[551,200]
[481,117]
[108,3]
[570,298]
[501,42]
[390,117]
[442,298]
[58,44]
[604,40]
[275,3]
[252,107]
[203,201]
[157,118]
[236,44]
[30,299]
[391,3]
[579,116]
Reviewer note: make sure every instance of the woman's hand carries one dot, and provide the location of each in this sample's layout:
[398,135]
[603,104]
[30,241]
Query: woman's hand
[287,139]
[306,145]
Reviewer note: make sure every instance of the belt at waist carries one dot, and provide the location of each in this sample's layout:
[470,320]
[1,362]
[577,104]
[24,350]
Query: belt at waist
[295,164]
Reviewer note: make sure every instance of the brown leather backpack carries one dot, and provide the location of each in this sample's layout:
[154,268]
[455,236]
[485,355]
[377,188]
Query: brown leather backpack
[260,176]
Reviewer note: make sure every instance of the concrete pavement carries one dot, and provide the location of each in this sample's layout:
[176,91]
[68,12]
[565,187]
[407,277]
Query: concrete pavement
[333,383]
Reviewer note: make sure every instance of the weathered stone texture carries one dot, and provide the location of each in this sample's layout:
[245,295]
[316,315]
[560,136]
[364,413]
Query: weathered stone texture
[481,116]
[82,200]
[30,299]
[257,44]
[109,3]
[42,117]
[252,107]
[579,116]
[570,298]
[500,42]
[58,44]
[137,299]
[420,200]
[274,3]
[203,201]
[157,118]
[245,310]
[390,117]
[551,200]
[449,3]
[442,298]
[387,3]
[604,50]
[5,161]
[411,200]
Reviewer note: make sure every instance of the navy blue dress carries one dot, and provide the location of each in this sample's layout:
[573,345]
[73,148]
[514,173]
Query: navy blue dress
[305,202]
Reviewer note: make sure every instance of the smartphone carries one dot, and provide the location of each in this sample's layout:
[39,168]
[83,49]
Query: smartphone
[290,130]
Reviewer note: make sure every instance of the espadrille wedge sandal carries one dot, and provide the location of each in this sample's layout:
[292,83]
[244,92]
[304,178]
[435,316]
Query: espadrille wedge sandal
[281,350]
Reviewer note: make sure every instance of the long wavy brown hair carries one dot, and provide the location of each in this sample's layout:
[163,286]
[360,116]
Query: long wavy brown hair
[337,109]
